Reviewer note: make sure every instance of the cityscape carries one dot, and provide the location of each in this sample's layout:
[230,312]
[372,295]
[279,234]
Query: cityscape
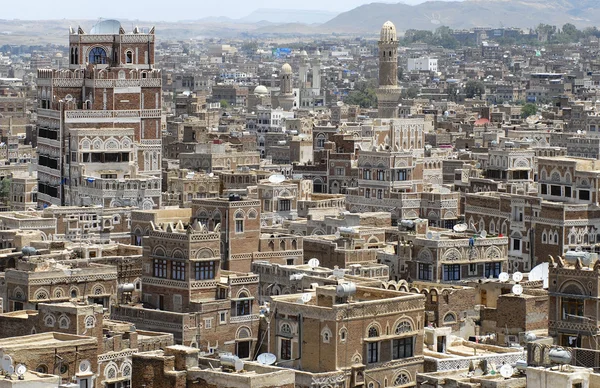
[303,198]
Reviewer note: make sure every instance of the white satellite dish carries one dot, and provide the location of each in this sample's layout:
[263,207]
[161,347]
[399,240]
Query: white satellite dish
[517,277]
[506,371]
[483,233]
[239,365]
[277,178]
[540,272]
[6,361]
[429,235]
[266,358]
[459,228]
[212,174]
[313,263]
[503,277]
[337,234]
[306,297]
[10,370]
[517,289]
[21,369]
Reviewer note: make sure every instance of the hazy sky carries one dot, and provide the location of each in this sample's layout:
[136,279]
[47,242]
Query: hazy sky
[156,10]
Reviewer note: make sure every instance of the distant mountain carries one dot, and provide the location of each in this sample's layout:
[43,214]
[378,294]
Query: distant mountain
[288,16]
[466,14]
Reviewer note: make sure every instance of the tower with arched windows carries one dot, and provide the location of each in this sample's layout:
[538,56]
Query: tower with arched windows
[388,94]
[110,99]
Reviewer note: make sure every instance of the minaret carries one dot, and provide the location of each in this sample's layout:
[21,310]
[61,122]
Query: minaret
[388,94]
[303,71]
[316,71]
[286,94]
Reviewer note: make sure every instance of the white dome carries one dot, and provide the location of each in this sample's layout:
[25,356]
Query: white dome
[388,32]
[303,53]
[106,27]
[286,69]
[261,90]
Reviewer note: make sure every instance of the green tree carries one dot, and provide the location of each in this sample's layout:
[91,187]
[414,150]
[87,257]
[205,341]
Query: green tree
[528,109]
[474,89]
[411,92]
[570,30]
[363,95]
[452,91]
[224,104]
[5,188]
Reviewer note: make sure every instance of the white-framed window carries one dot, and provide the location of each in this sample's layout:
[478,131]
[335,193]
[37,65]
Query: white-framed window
[208,323]
[222,317]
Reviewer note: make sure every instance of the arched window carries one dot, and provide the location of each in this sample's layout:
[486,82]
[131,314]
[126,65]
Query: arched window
[404,327]
[97,56]
[239,222]
[450,318]
[129,57]
[286,329]
[373,332]
[401,379]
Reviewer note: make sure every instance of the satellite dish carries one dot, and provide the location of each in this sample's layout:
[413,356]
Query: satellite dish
[517,289]
[517,277]
[313,263]
[540,272]
[266,358]
[306,297]
[429,235]
[85,366]
[212,174]
[337,234]
[503,277]
[10,370]
[21,369]
[506,371]
[68,98]
[483,233]
[459,228]
[277,178]
[6,361]
[239,365]
[529,337]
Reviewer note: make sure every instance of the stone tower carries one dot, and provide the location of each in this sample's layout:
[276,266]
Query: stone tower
[388,94]
[286,96]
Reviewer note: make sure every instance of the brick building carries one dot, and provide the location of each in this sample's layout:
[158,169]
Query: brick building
[111,84]
[370,336]
[186,293]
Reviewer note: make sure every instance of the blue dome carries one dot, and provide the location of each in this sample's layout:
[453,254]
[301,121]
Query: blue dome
[106,27]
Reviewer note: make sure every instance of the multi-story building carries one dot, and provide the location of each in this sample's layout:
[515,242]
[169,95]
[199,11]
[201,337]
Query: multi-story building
[443,256]
[370,336]
[186,292]
[422,64]
[240,222]
[103,111]
[573,298]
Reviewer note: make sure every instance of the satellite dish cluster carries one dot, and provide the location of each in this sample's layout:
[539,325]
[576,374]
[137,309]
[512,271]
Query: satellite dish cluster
[517,277]
[8,368]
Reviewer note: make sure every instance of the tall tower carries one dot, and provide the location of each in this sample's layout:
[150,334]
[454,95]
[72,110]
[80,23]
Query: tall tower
[303,70]
[316,71]
[286,95]
[388,94]
[99,121]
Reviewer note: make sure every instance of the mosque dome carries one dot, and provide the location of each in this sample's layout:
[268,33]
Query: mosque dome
[106,27]
[303,53]
[260,90]
[286,69]
[388,32]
